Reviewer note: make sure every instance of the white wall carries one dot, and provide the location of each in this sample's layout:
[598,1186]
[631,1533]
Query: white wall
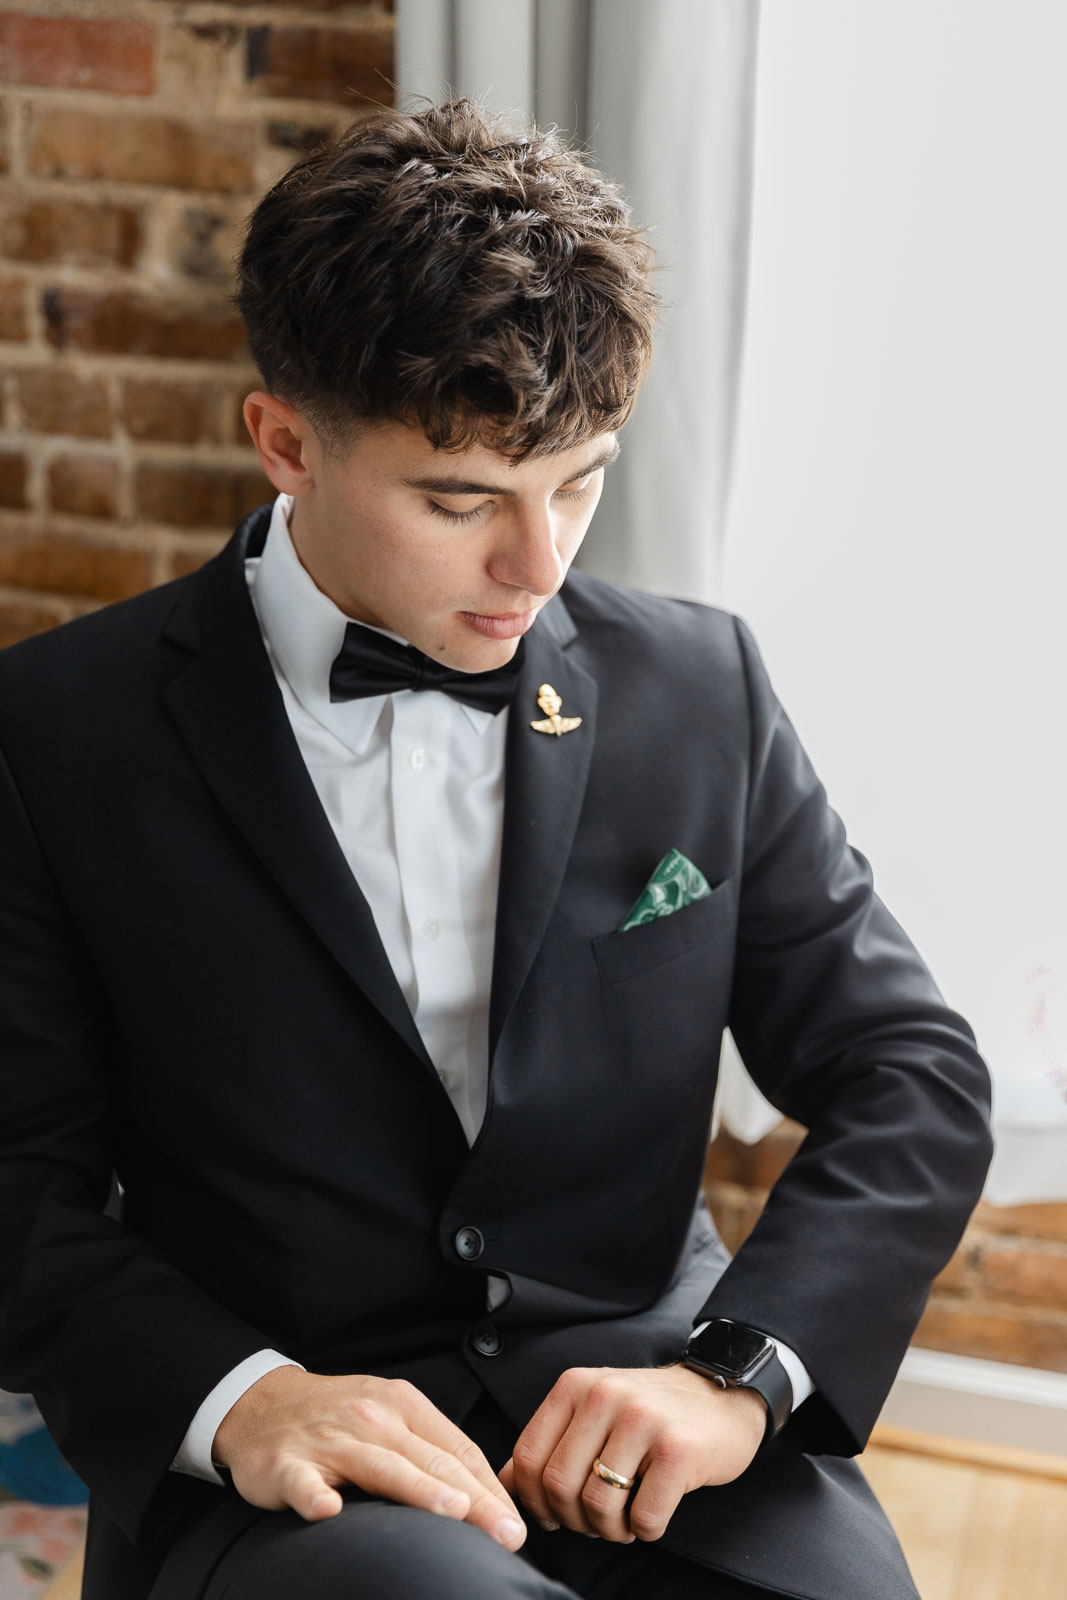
[898,525]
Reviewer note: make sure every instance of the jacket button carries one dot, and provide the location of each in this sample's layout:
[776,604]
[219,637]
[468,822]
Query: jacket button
[469,1243]
[487,1342]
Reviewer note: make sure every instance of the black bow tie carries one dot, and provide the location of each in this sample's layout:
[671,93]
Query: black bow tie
[368,663]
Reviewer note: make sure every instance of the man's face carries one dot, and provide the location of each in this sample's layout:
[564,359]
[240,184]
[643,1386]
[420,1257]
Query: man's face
[456,551]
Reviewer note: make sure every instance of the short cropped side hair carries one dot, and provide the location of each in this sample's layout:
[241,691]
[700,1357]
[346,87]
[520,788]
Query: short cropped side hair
[439,270]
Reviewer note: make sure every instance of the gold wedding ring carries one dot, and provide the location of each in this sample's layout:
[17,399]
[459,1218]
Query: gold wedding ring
[616,1479]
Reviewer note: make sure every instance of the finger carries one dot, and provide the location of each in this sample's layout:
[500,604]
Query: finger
[392,1474]
[377,1435]
[302,1486]
[490,1509]
[661,1488]
[507,1478]
[399,1418]
[534,1447]
[424,1419]
[555,1453]
[609,1425]
[624,1452]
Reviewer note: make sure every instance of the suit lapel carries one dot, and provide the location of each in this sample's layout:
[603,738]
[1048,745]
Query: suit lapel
[229,710]
[544,788]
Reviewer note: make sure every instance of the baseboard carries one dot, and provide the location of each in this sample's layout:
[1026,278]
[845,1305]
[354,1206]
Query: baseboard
[969,1452]
[989,1402]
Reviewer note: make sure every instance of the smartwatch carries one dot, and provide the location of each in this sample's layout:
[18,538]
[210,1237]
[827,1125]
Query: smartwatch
[738,1357]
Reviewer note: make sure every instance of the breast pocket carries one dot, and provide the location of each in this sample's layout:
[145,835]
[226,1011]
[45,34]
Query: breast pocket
[623,955]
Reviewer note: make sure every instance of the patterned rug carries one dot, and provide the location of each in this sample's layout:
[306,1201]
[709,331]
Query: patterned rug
[42,1503]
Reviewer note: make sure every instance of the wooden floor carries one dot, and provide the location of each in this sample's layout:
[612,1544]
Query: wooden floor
[975,1524]
[986,1525]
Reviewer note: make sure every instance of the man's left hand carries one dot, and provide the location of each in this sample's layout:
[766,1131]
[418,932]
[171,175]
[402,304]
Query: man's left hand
[668,1426]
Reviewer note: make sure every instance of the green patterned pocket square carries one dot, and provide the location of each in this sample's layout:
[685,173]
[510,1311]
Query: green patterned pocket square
[674,884]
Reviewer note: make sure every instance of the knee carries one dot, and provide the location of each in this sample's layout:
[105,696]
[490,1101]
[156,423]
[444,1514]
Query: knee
[377,1548]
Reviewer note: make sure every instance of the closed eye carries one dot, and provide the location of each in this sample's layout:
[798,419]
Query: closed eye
[476,514]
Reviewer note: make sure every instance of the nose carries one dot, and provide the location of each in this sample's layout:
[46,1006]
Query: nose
[527,556]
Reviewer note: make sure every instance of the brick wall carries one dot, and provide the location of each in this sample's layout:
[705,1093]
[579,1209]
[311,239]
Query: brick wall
[134,137]
[1003,1296]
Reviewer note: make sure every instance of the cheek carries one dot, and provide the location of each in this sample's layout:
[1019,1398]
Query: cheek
[420,560]
[575,531]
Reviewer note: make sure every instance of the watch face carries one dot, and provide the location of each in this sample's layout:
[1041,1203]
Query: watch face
[732,1348]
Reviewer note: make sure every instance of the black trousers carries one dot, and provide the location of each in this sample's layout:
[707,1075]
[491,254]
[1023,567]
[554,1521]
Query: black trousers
[376,1550]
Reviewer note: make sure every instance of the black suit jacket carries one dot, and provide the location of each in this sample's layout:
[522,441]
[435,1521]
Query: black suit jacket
[194,995]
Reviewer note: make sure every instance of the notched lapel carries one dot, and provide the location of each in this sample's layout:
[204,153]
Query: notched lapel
[229,711]
[544,787]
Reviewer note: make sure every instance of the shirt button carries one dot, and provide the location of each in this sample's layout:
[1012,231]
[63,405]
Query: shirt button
[469,1243]
[446,1080]
[431,927]
[487,1342]
[416,759]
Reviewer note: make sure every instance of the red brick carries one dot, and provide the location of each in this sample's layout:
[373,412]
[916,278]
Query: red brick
[174,412]
[167,151]
[187,558]
[961,1274]
[13,323]
[241,434]
[736,1212]
[1029,1222]
[196,496]
[72,563]
[84,486]
[299,136]
[287,5]
[21,618]
[343,64]
[128,324]
[756,1166]
[54,400]
[207,243]
[85,234]
[12,479]
[1036,1274]
[4,123]
[1026,1338]
[77,52]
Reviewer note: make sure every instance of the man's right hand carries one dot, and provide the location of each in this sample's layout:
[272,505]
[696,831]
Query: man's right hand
[294,1436]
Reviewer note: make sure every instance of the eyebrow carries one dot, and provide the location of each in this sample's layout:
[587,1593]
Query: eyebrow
[465,486]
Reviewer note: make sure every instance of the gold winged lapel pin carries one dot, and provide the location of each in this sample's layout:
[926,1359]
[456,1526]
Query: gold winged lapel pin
[550,703]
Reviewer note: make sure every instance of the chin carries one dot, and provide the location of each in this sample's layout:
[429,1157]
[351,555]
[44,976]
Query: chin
[464,649]
[481,655]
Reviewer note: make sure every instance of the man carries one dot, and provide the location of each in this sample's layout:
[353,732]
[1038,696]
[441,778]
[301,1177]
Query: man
[334,924]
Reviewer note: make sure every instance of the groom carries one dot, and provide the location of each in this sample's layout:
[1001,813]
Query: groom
[375,900]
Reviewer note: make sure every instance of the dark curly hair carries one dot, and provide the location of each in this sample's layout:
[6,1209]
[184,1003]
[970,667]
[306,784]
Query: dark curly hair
[441,270]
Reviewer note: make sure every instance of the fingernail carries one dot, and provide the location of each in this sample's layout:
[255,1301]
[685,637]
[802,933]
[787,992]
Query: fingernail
[508,1531]
[549,1526]
[449,1498]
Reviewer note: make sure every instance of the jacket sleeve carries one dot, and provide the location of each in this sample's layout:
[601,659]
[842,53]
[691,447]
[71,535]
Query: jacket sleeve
[842,1027]
[117,1346]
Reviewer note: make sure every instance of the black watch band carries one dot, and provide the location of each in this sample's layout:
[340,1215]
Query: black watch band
[736,1356]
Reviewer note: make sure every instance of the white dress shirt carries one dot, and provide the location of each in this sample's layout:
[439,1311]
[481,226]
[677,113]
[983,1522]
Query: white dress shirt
[413,786]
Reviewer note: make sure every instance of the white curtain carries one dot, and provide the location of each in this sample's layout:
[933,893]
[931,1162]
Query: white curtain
[899,502]
[662,92]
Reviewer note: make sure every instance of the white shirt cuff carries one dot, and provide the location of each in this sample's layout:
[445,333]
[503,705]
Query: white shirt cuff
[795,1370]
[194,1452]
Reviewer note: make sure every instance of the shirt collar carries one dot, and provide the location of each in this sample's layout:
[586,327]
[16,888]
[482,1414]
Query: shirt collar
[305,631]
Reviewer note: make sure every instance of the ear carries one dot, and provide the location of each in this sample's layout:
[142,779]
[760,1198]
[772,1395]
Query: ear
[284,442]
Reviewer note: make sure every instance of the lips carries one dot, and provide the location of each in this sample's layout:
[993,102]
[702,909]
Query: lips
[509,626]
